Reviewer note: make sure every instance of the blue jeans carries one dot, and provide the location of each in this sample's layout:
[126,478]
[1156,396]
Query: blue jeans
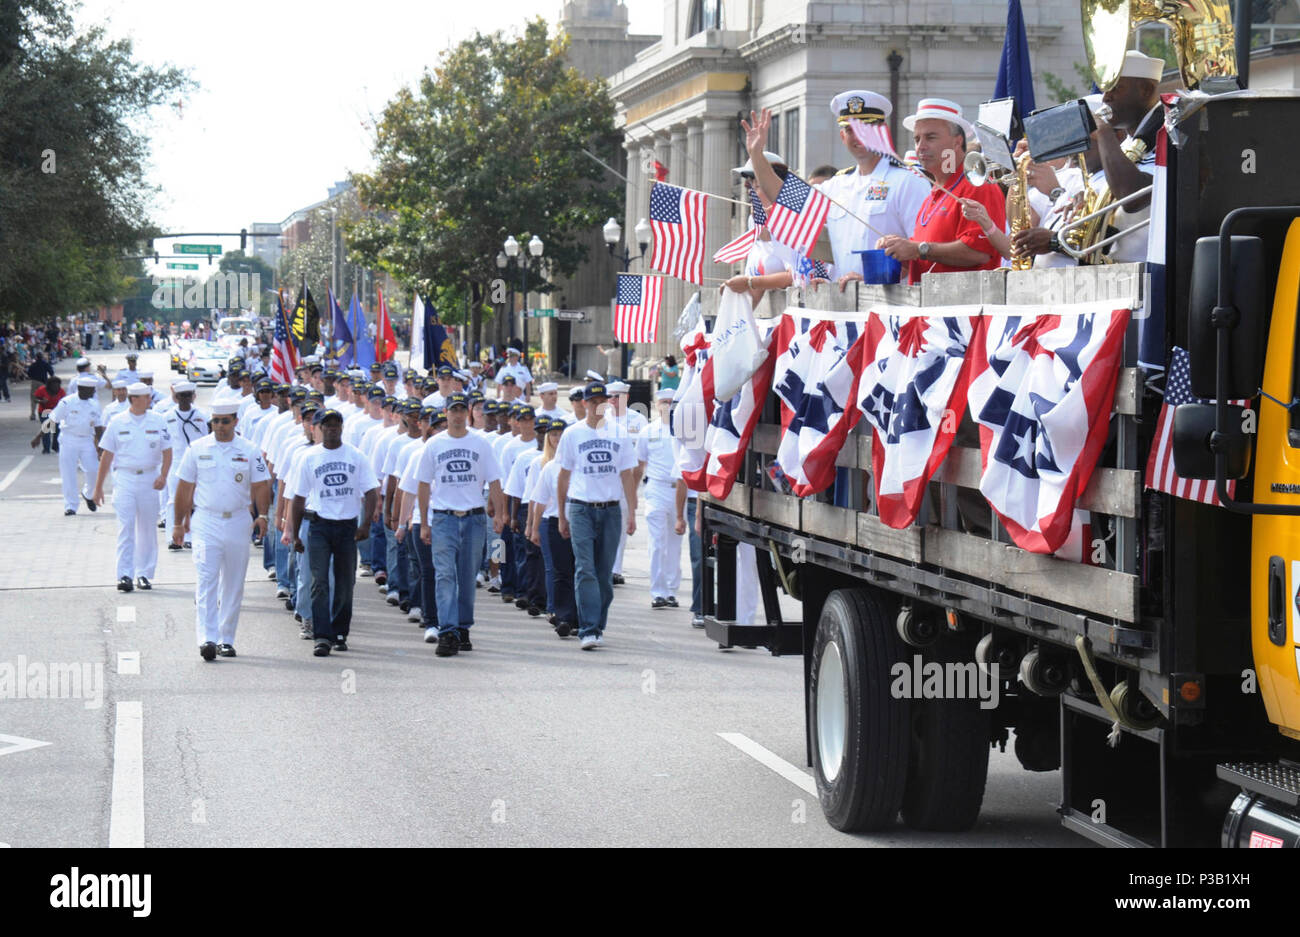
[530,572]
[414,571]
[559,569]
[394,567]
[594,536]
[332,548]
[548,565]
[697,560]
[377,556]
[456,548]
[427,589]
[283,564]
[403,571]
[506,565]
[269,540]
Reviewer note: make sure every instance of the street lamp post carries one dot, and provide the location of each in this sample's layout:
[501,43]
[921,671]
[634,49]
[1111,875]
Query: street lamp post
[535,249]
[613,233]
[502,262]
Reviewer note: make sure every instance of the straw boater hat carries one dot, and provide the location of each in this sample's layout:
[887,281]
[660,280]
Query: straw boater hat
[940,109]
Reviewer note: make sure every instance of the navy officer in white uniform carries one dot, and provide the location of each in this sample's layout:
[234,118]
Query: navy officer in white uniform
[80,424]
[138,449]
[221,477]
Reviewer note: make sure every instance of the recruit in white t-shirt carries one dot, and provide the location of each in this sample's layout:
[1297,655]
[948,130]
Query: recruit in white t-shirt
[334,481]
[595,458]
[456,469]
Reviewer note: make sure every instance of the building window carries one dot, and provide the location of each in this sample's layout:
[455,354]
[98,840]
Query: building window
[705,14]
[792,137]
[774,136]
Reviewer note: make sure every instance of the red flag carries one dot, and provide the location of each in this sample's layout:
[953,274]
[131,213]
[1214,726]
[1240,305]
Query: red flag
[660,171]
[386,346]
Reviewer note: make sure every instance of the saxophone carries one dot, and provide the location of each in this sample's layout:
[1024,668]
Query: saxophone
[1094,200]
[1018,209]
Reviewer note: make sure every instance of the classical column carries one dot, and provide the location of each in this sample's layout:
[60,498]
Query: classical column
[718,145]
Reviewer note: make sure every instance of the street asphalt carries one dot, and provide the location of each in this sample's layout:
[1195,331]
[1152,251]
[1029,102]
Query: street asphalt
[526,741]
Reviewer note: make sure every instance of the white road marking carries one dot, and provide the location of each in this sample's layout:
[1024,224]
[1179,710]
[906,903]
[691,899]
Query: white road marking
[126,613]
[126,821]
[771,760]
[15,472]
[16,743]
[128,663]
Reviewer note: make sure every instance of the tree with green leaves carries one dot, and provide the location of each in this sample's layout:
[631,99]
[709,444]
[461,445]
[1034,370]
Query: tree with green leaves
[238,262]
[489,144]
[73,194]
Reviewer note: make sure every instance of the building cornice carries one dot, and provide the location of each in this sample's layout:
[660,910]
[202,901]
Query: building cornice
[798,36]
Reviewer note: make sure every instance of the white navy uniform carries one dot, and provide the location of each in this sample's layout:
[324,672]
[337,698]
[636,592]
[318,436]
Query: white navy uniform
[223,475]
[520,373]
[888,199]
[137,444]
[77,421]
[186,427]
[655,449]
[629,422]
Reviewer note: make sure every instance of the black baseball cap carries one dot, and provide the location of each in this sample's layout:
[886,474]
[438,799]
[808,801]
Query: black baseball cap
[375,393]
[594,389]
[523,413]
[326,414]
[445,370]
[457,400]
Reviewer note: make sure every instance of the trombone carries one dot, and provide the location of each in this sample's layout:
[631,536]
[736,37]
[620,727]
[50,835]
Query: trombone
[1106,210]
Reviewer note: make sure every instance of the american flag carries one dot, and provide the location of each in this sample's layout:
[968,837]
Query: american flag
[737,250]
[284,357]
[798,215]
[677,219]
[636,307]
[1160,463]
[810,270]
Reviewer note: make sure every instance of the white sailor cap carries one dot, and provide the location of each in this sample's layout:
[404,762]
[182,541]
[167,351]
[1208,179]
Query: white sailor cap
[87,380]
[143,374]
[225,408]
[356,374]
[476,364]
[595,376]
[1137,65]
[139,389]
[83,362]
[772,158]
[460,375]
[547,387]
[664,393]
[512,350]
[311,359]
[617,387]
[119,384]
[185,387]
[860,105]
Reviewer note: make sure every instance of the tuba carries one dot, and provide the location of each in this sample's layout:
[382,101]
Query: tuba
[1203,38]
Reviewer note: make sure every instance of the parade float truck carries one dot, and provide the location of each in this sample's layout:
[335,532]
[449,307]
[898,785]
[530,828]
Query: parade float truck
[1158,669]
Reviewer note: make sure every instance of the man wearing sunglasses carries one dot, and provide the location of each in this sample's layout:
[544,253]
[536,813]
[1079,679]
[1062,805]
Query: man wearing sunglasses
[220,476]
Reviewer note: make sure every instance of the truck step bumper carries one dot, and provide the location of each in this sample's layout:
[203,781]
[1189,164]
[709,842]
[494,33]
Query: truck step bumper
[780,639]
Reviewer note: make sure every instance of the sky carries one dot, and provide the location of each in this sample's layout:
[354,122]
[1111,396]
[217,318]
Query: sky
[288,91]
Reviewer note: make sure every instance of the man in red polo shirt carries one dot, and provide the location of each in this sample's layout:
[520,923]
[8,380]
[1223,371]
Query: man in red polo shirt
[944,241]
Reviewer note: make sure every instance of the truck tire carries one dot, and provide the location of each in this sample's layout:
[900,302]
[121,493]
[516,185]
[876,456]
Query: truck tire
[859,730]
[948,762]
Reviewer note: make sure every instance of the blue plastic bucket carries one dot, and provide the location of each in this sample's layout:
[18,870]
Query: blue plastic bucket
[879,267]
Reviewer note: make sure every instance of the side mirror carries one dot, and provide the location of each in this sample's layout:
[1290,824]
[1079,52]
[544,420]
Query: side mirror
[1247,298]
[1193,432]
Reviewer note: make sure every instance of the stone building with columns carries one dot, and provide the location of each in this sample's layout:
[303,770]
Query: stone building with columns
[681,100]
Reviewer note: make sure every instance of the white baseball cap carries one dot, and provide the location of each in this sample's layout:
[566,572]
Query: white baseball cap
[772,158]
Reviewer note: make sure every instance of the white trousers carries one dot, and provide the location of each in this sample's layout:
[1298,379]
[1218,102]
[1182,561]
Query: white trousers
[168,501]
[74,452]
[665,543]
[747,594]
[617,569]
[221,550]
[136,504]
